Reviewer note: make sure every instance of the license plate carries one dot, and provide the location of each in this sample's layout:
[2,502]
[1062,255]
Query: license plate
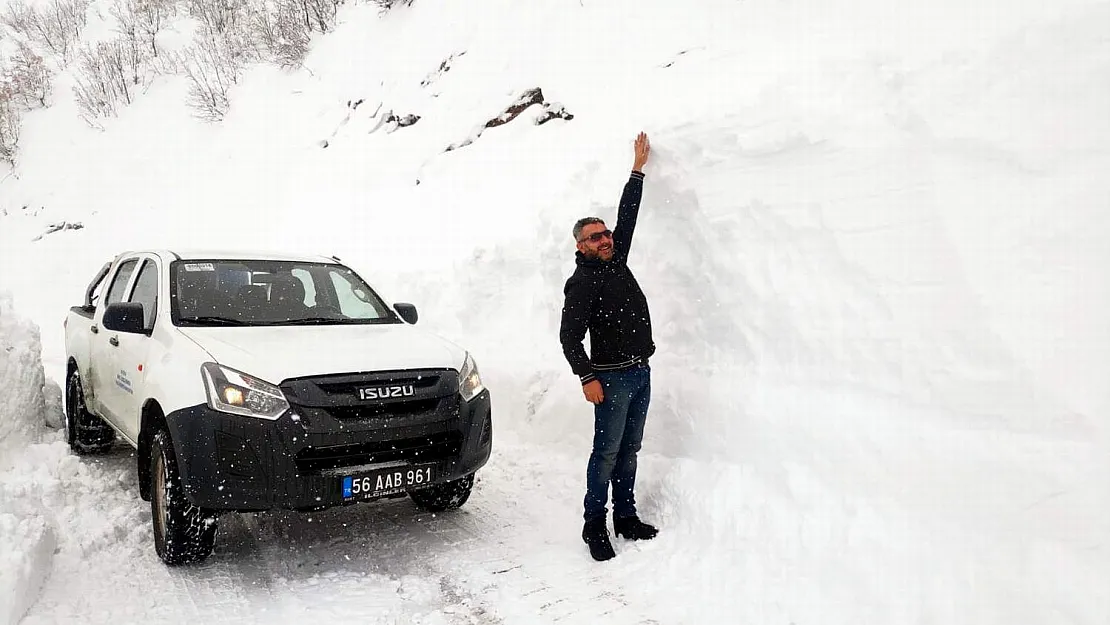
[370,484]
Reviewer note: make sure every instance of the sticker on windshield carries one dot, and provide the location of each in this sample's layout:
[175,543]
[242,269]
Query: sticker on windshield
[199,267]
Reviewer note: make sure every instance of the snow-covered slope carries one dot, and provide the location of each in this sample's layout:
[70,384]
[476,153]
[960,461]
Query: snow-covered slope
[872,241]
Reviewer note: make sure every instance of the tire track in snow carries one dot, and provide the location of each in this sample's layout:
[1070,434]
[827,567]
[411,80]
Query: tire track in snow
[106,569]
[511,555]
[483,560]
[541,571]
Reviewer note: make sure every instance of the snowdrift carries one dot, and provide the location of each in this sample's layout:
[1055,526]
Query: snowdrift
[22,378]
[28,549]
[854,211]
[27,537]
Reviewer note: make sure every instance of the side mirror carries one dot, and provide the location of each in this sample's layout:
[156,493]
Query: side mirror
[407,312]
[124,317]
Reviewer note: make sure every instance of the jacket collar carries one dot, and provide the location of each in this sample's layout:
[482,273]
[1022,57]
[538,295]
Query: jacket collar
[593,263]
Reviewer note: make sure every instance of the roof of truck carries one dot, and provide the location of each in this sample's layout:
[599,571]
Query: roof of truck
[215,254]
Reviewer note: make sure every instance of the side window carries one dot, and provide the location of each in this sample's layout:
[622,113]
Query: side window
[119,283]
[97,292]
[146,292]
[309,285]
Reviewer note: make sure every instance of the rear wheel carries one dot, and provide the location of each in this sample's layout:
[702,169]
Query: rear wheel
[85,432]
[445,496]
[183,533]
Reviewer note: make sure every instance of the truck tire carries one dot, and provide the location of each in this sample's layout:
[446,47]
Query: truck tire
[85,432]
[445,496]
[183,533]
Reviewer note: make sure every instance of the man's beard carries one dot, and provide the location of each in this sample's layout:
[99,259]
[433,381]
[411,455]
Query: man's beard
[599,255]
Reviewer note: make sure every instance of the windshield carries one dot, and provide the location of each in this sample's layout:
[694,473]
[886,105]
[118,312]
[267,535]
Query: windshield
[268,293]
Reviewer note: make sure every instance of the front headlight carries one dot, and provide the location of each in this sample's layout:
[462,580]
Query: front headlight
[470,383]
[238,393]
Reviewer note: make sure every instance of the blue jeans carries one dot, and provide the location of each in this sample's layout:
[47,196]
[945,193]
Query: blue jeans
[618,430]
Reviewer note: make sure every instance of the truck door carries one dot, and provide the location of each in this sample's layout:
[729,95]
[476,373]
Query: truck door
[103,346]
[130,356]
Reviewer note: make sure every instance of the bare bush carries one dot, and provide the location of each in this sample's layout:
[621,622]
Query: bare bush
[10,120]
[141,20]
[385,5]
[318,15]
[25,83]
[283,28]
[18,17]
[219,16]
[54,27]
[280,33]
[109,76]
[27,77]
[224,44]
[112,73]
[212,69]
[237,32]
[226,23]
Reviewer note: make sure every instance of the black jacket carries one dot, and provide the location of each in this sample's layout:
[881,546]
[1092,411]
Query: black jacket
[604,298]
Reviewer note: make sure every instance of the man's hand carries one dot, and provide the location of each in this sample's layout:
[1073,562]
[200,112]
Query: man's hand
[593,392]
[642,149]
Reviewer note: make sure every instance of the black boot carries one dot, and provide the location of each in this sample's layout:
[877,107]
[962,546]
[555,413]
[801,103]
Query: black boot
[633,528]
[596,536]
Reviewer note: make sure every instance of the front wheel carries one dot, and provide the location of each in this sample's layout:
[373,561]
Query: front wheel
[445,496]
[183,533]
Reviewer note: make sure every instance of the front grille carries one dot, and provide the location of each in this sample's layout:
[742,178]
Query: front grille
[420,381]
[340,396]
[395,409]
[432,447]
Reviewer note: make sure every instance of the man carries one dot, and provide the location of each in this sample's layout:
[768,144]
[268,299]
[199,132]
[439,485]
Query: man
[603,297]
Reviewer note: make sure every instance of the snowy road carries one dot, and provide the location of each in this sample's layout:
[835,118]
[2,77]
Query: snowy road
[510,555]
[880,521]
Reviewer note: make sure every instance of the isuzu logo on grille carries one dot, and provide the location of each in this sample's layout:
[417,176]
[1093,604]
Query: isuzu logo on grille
[387,392]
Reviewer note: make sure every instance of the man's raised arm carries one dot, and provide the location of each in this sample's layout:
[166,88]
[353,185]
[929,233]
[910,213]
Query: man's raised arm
[629,207]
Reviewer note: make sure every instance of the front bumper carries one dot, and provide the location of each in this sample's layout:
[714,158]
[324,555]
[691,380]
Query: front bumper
[234,463]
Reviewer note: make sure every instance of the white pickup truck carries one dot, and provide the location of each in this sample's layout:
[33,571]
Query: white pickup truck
[253,382]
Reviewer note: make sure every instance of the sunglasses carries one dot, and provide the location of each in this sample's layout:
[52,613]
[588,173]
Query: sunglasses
[597,236]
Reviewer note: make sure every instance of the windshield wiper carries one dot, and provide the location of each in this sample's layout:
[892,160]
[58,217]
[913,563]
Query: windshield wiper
[316,320]
[223,321]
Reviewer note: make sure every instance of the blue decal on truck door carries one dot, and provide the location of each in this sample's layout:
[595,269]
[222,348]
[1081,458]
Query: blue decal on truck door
[124,382]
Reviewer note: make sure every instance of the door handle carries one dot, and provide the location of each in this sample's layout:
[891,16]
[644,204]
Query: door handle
[114,341]
[94,329]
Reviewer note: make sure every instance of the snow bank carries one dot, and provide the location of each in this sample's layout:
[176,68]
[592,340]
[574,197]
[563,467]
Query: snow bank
[839,498]
[27,537]
[22,380]
[852,209]
[25,561]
